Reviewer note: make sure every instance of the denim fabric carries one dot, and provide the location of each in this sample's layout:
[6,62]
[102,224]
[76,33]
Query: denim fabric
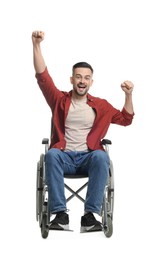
[94,163]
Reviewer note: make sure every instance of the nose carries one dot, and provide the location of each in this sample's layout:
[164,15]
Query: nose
[82,80]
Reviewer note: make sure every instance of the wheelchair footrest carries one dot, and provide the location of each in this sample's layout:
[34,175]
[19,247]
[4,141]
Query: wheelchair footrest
[93,228]
[56,226]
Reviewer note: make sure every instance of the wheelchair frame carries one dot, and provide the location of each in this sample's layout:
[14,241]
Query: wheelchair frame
[42,211]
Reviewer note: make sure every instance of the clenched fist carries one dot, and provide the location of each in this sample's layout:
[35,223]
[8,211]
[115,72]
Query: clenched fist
[127,86]
[37,36]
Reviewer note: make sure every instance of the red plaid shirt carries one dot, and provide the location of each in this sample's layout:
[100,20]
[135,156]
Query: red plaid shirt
[59,102]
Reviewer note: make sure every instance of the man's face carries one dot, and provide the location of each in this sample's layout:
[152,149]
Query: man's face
[81,81]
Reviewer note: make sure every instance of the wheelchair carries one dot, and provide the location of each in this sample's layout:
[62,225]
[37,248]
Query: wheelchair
[42,197]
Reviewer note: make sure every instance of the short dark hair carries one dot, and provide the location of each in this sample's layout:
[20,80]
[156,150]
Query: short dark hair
[82,64]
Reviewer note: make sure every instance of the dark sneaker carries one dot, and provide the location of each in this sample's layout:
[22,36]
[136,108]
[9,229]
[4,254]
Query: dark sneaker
[60,222]
[89,223]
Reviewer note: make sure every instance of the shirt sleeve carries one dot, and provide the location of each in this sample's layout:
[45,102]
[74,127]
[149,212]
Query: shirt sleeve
[122,118]
[48,88]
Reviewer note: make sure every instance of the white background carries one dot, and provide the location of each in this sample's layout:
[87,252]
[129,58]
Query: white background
[121,39]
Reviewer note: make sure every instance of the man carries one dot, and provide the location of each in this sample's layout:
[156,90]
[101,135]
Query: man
[80,121]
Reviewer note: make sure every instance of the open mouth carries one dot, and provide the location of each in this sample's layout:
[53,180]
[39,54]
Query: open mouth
[81,86]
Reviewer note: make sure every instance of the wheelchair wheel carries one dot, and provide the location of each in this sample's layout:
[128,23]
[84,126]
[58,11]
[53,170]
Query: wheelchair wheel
[44,226]
[39,189]
[38,192]
[108,205]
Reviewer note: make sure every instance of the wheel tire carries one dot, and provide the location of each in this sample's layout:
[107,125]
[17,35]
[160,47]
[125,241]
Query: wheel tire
[108,230]
[44,227]
[40,187]
[39,192]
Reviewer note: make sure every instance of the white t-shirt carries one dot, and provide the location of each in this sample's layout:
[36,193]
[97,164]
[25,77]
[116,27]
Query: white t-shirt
[78,124]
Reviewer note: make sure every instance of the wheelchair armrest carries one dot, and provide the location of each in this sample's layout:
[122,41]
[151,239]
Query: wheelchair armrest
[45,141]
[106,141]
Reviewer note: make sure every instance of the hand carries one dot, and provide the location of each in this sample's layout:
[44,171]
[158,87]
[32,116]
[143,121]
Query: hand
[37,36]
[127,86]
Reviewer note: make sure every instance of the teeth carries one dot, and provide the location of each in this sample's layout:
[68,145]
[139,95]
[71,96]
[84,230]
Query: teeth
[81,85]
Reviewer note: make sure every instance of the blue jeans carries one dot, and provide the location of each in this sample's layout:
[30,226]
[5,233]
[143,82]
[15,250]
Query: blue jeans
[94,163]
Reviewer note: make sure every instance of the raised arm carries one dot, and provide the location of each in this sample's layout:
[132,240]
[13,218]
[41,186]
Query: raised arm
[127,87]
[38,60]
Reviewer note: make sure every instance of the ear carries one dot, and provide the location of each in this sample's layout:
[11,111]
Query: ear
[71,80]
